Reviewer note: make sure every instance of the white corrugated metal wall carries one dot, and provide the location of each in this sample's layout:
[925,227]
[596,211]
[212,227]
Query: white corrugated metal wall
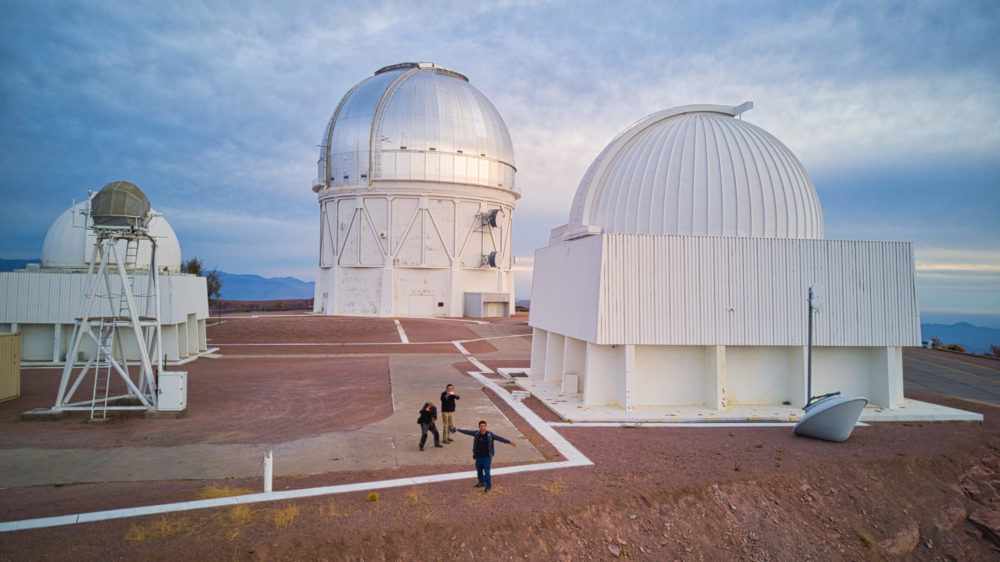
[688,290]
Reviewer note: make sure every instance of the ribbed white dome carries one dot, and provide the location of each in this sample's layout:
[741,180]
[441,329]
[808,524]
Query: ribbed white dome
[416,122]
[697,170]
[69,243]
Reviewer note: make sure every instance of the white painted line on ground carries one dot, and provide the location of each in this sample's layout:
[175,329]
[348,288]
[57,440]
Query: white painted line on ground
[574,459]
[402,334]
[572,454]
[482,368]
[461,349]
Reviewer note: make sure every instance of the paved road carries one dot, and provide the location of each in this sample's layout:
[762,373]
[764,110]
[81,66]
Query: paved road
[965,377]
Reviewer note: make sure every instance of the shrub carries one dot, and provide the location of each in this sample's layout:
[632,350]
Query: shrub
[954,347]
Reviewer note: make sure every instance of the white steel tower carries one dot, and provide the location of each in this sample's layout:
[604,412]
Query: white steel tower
[119,315]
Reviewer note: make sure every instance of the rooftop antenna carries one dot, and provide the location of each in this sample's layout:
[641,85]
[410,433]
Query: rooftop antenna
[830,417]
[113,327]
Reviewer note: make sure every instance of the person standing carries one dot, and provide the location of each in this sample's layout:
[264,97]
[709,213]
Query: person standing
[448,398]
[428,415]
[482,451]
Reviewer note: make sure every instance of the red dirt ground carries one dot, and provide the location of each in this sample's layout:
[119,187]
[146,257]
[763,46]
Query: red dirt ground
[251,334]
[256,400]
[917,491]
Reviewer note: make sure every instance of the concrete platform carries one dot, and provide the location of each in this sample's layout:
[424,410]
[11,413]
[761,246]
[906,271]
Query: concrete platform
[571,408]
[387,444]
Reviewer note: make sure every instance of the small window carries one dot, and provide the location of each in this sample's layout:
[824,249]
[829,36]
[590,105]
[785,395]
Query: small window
[440,305]
[432,148]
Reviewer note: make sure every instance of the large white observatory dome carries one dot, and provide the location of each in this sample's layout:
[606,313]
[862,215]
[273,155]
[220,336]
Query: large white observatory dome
[697,170]
[416,192]
[416,121]
[69,243]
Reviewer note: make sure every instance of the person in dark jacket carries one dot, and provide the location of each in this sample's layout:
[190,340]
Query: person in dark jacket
[448,398]
[482,451]
[428,415]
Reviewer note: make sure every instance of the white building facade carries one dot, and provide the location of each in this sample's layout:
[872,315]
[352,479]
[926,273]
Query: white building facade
[416,192]
[682,278]
[43,301]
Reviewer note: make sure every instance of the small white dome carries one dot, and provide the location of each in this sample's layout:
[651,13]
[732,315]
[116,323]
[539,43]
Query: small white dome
[416,122]
[69,244]
[697,170]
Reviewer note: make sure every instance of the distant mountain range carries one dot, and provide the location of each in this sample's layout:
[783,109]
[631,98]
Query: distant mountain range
[973,338]
[11,265]
[243,287]
[237,287]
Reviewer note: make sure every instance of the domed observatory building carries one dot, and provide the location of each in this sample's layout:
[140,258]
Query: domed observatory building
[682,278]
[416,192]
[43,300]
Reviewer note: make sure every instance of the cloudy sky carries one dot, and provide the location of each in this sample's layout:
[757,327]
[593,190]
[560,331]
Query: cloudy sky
[215,110]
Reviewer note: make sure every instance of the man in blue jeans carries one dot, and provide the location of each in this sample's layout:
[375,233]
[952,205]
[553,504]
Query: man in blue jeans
[482,451]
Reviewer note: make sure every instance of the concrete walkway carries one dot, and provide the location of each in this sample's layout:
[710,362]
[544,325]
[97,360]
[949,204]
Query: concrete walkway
[386,444]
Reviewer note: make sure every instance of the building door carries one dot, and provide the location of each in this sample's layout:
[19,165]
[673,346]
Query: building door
[421,306]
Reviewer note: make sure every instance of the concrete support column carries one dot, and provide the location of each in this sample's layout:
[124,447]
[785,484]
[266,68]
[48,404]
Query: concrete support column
[202,336]
[715,377]
[554,349]
[886,377]
[539,341]
[574,362]
[193,336]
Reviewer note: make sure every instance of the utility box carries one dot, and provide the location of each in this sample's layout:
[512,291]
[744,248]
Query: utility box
[173,392]
[10,366]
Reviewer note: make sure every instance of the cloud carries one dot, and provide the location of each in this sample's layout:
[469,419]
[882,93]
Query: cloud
[215,109]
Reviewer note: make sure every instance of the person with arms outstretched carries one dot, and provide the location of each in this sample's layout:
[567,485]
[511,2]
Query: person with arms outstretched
[482,451]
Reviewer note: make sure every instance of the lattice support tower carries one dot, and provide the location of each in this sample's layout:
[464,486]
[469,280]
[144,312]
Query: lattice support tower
[118,329]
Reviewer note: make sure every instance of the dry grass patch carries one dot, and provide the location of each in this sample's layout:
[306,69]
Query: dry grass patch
[238,516]
[329,509]
[162,527]
[283,518]
[416,497]
[211,492]
[234,518]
